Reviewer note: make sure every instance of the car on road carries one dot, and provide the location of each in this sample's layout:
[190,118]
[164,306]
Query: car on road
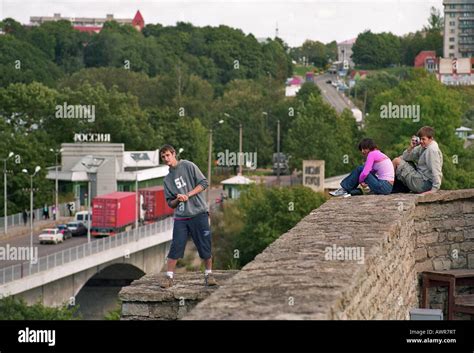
[51,235]
[63,228]
[77,228]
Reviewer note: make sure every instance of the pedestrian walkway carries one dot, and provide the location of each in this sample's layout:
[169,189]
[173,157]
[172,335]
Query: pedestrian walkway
[38,225]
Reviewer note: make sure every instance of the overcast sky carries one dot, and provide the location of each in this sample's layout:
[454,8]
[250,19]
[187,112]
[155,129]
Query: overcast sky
[298,20]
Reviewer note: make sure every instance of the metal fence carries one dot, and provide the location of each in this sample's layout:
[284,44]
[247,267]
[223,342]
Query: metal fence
[16,219]
[15,272]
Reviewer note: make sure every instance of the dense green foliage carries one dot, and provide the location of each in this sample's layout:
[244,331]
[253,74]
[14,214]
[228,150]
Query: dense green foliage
[12,308]
[258,218]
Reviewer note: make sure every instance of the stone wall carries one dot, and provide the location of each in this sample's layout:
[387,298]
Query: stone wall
[353,258]
[444,241]
[145,300]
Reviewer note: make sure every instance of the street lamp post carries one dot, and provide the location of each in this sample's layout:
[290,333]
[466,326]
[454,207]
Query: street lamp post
[56,203]
[278,151]
[209,160]
[278,147]
[37,169]
[240,145]
[5,222]
[89,196]
[137,201]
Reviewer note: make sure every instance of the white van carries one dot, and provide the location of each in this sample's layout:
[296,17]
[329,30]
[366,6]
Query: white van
[83,217]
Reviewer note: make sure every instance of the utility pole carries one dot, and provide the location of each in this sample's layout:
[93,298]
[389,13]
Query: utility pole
[240,149]
[5,222]
[278,151]
[209,157]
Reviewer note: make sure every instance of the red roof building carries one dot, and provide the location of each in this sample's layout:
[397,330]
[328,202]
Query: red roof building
[424,57]
[138,22]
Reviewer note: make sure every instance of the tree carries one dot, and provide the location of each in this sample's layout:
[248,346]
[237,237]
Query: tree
[23,63]
[318,132]
[435,21]
[439,107]
[244,100]
[12,308]
[375,83]
[376,50]
[315,52]
[306,90]
[268,213]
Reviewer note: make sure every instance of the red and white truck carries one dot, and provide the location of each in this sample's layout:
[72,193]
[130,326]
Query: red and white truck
[113,213]
[154,203]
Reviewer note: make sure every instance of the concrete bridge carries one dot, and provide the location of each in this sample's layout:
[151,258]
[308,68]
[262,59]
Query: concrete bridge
[113,261]
[352,258]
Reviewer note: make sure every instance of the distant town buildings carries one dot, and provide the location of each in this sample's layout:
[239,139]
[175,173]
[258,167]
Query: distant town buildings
[450,71]
[458,28]
[90,24]
[344,53]
[427,59]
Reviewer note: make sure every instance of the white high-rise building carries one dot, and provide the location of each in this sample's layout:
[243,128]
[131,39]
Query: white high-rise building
[458,28]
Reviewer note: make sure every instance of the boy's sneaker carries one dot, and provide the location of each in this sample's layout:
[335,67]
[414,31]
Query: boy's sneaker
[340,192]
[166,282]
[210,280]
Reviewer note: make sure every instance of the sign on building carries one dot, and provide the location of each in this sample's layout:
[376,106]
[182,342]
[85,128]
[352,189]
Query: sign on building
[313,174]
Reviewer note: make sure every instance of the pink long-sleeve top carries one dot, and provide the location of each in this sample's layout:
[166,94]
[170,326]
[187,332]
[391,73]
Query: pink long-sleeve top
[380,164]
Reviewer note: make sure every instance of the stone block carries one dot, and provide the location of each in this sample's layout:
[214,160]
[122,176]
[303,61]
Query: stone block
[469,234]
[470,261]
[440,250]
[456,236]
[135,309]
[441,264]
[421,254]
[467,246]
[442,237]
[468,207]
[428,238]
[426,265]
[460,262]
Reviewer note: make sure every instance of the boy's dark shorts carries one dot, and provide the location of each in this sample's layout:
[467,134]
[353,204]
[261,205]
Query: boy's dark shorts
[198,227]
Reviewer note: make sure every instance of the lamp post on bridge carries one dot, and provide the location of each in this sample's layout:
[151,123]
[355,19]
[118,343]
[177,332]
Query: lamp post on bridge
[37,169]
[56,153]
[5,222]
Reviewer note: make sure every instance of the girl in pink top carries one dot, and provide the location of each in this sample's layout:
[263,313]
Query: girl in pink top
[377,172]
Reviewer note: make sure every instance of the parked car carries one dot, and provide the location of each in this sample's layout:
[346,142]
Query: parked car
[77,228]
[63,228]
[51,235]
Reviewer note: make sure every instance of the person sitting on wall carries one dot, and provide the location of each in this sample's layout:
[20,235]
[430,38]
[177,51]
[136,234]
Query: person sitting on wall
[377,173]
[419,169]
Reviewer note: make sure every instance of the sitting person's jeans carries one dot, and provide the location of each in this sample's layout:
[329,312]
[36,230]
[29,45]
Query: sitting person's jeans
[376,185]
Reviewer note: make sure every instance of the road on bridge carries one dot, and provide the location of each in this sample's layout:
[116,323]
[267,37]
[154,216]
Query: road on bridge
[22,239]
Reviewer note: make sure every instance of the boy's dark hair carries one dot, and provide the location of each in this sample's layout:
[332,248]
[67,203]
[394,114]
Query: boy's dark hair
[165,148]
[426,131]
[367,144]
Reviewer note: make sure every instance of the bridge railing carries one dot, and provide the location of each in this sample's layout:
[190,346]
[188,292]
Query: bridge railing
[60,258]
[16,220]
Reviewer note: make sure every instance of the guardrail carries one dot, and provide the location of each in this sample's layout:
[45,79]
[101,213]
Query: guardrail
[16,219]
[25,269]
